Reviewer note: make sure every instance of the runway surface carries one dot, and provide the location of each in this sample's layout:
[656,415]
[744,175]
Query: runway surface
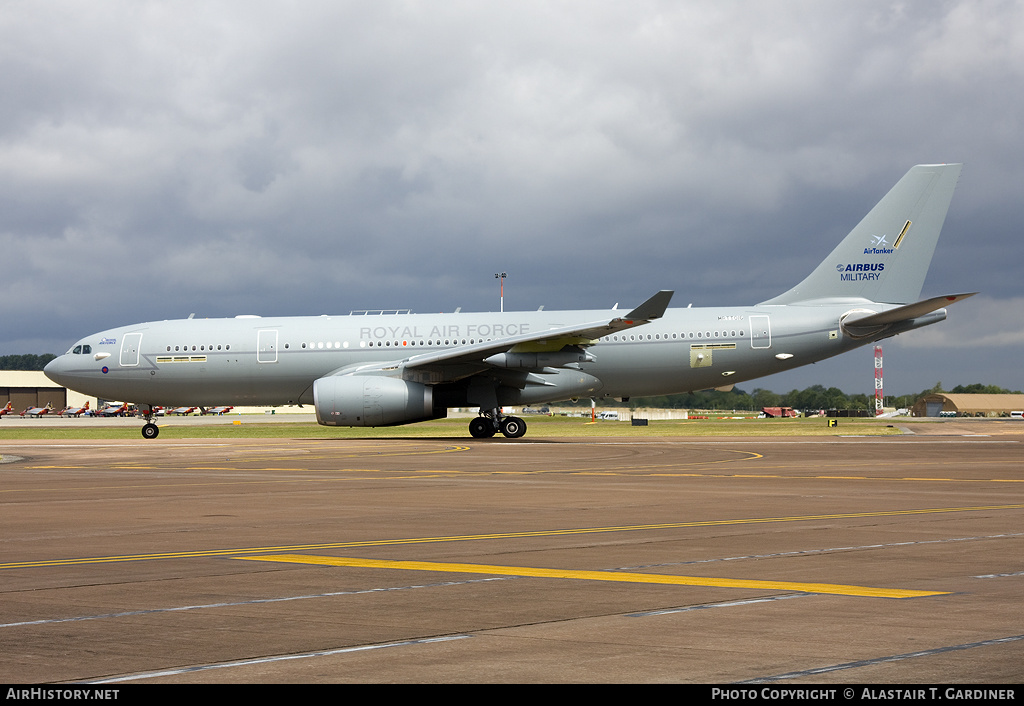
[856,560]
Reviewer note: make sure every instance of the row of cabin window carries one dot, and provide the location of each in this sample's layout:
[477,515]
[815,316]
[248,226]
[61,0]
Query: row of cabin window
[632,337]
[449,342]
[675,336]
[431,342]
[199,348]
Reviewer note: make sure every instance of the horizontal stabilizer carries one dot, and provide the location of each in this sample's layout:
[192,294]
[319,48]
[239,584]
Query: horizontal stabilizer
[905,313]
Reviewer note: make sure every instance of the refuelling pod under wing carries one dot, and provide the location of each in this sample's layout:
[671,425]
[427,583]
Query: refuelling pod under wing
[372,401]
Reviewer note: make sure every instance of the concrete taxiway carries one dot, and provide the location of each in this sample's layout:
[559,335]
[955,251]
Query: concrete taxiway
[860,560]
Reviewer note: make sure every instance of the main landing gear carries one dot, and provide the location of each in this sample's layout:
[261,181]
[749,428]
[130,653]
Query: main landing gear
[490,422]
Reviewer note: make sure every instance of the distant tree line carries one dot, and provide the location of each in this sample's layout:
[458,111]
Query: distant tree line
[26,361]
[813,397]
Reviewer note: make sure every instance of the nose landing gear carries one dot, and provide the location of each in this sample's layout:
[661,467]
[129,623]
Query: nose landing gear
[149,429]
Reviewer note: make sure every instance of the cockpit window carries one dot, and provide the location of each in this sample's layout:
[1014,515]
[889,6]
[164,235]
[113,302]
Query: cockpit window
[86,349]
[81,349]
[76,350]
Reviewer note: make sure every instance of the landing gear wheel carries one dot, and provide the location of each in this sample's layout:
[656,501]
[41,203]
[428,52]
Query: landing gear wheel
[481,428]
[513,427]
[150,430]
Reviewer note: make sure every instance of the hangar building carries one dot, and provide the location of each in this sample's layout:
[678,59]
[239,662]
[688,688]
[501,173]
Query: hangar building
[31,388]
[965,405]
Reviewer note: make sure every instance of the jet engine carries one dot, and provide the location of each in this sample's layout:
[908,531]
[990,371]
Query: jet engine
[372,401]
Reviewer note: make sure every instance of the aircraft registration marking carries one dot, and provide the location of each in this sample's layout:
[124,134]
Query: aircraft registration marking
[617,576]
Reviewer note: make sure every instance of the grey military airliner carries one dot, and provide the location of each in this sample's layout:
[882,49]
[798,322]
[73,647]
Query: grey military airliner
[391,368]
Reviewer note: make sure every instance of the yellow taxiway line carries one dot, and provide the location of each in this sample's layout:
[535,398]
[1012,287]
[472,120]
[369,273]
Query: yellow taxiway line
[619,576]
[227,552]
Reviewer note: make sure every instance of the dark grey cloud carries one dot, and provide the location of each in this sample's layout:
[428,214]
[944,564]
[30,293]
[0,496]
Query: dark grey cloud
[163,159]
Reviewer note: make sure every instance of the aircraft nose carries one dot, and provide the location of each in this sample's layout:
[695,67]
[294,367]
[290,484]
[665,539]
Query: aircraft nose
[55,369]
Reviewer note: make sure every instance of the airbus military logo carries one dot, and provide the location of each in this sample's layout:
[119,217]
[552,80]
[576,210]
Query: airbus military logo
[860,271]
[878,243]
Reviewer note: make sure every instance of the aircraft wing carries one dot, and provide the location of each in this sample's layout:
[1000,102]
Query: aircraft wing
[462,361]
[909,311]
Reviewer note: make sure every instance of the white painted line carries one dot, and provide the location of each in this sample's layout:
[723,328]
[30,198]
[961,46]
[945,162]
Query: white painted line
[731,604]
[268,660]
[883,660]
[254,601]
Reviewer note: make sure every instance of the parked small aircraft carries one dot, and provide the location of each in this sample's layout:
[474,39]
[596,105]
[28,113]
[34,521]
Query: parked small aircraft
[391,369]
[37,411]
[114,409]
[76,411]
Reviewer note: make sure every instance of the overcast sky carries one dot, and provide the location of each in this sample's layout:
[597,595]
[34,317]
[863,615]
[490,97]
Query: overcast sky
[164,158]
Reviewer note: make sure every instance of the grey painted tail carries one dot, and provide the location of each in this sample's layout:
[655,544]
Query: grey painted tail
[886,257]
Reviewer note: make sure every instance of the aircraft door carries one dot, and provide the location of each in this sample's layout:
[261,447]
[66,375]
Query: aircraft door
[760,331]
[266,346]
[130,345]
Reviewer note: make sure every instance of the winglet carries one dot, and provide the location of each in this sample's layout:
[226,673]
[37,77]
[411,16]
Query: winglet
[653,308]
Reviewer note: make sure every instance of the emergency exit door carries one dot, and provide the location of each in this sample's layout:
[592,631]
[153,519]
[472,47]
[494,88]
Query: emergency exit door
[266,346]
[760,331]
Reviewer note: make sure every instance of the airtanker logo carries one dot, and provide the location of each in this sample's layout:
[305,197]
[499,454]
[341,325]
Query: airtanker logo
[860,271]
[878,243]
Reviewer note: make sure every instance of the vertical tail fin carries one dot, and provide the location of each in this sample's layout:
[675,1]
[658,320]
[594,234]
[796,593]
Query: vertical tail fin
[886,257]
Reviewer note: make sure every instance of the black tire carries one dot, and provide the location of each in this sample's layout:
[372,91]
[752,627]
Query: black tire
[513,427]
[150,431]
[481,428]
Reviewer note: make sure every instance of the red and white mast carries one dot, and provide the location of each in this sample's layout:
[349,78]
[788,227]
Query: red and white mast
[879,398]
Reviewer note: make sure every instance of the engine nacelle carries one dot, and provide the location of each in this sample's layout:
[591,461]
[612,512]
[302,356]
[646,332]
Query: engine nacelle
[372,401]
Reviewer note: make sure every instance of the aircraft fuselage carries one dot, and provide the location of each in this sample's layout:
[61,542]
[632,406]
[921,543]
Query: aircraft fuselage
[274,361]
